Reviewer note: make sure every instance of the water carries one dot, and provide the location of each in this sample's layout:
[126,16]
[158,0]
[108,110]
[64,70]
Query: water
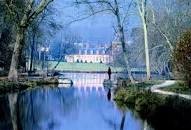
[82,107]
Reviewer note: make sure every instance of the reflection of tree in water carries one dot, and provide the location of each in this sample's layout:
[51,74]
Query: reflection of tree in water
[5,117]
[114,125]
[123,121]
[123,109]
[42,108]
[134,117]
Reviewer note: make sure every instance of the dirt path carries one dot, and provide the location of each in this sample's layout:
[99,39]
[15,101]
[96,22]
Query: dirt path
[167,83]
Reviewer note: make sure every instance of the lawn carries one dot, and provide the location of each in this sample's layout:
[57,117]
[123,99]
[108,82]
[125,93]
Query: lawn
[82,67]
[86,67]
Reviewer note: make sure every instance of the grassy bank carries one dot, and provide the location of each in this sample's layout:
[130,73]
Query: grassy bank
[161,112]
[11,87]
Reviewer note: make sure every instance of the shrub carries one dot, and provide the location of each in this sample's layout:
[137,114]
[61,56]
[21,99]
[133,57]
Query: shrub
[147,102]
[182,57]
[126,97]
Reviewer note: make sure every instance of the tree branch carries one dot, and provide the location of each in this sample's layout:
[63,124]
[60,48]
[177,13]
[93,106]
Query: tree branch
[43,4]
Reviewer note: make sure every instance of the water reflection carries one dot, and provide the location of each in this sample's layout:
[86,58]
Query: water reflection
[84,106]
[88,79]
[5,117]
[96,79]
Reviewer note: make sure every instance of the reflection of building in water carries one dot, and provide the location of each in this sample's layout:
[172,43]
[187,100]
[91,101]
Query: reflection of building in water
[87,81]
[88,54]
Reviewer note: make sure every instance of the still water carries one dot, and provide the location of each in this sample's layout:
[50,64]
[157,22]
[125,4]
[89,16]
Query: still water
[84,106]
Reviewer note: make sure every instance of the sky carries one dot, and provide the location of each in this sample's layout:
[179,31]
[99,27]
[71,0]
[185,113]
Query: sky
[95,29]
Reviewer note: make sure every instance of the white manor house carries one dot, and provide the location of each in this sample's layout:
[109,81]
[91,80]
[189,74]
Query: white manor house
[100,54]
[90,56]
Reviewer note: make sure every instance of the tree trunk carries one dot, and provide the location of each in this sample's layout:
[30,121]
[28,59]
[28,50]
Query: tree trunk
[122,40]
[32,53]
[142,12]
[126,58]
[147,59]
[28,16]
[13,72]
[128,68]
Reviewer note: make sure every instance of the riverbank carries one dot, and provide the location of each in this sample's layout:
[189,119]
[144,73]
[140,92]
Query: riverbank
[12,87]
[161,111]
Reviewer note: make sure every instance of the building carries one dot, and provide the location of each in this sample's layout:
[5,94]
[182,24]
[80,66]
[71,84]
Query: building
[115,48]
[102,53]
[90,54]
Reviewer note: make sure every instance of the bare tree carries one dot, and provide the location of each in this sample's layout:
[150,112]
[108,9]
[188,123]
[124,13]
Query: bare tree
[141,5]
[42,27]
[169,20]
[113,7]
[159,29]
[30,13]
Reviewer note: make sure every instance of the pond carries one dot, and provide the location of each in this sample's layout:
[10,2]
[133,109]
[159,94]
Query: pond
[84,106]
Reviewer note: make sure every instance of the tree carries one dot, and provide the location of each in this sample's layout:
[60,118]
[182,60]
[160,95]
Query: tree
[66,46]
[165,21]
[116,9]
[26,18]
[40,29]
[182,57]
[7,33]
[142,8]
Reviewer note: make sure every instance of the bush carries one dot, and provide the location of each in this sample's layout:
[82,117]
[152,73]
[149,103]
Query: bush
[147,102]
[126,97]
[182,57]
[141,100]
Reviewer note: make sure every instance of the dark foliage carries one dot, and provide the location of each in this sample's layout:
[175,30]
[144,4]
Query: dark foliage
[182,57]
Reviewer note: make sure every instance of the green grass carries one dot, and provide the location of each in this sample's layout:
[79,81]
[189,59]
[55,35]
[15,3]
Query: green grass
[86,67]
[148,83]
[137,99]
[144,84]
[179,87]
[7,87]
[80,66]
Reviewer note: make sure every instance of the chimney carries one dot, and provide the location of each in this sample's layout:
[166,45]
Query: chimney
[85,52]
[97,52]
[91,52]
[80,52]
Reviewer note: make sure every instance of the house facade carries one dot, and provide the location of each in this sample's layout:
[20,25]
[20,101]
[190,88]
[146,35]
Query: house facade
[90,56]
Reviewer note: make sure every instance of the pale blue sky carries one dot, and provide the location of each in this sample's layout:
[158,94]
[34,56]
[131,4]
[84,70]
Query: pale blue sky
[96,29]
